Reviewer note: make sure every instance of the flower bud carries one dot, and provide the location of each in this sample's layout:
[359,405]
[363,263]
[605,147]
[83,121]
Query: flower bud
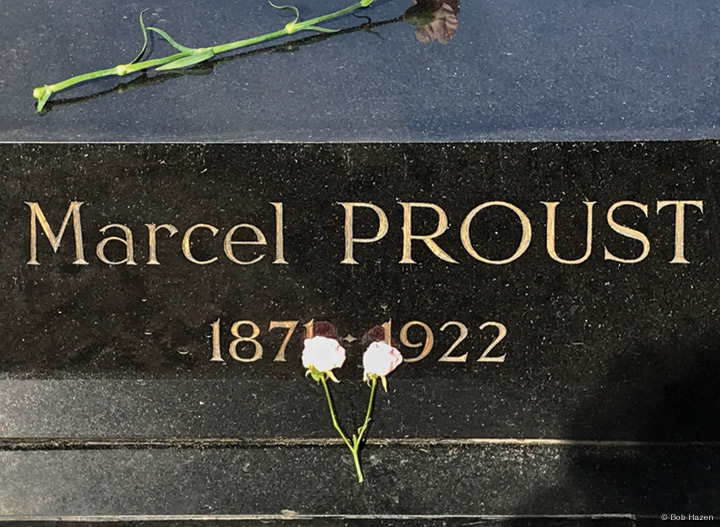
[323,354]
[380,359]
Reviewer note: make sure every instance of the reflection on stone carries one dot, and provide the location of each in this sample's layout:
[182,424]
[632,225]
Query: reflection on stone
[436,20]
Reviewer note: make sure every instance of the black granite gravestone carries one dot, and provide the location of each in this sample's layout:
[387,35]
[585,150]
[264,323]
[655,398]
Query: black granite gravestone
[523,196]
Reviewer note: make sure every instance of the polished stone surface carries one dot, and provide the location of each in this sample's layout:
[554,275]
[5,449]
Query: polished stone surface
[603,404]
[414,481]
[515,70]
[603,411]
[616,520]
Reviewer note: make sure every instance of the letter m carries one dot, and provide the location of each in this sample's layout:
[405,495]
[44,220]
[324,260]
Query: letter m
[37,216]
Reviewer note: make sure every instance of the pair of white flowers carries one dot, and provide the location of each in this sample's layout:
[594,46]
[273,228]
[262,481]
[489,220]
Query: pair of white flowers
[324,354]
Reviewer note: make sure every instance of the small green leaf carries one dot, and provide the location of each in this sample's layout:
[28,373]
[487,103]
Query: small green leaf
[170,40]
[295,10]
[145,38]
[316,375]
[190,60]
[320,29]
[331,376]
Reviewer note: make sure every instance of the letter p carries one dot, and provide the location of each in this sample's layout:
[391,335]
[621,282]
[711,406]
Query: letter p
[350,239]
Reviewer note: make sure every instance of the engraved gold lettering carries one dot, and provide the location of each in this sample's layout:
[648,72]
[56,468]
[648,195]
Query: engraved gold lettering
[551,213]
[427,239]
[152,239]
[350,238]
[216,353]
[310,329]
[235,330]
[229,243]
[279,234]
[186,243]
[290,326]
[679,257]
[127,241]
[524,241]
[426,346]
[37,216]
[448,357]
[627,232]
[387,328]
[502,332]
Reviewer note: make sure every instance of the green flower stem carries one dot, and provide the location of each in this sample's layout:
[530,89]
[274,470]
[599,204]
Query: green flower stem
[43,93]
[119,70]
[330,16]
[356,439]
[332,412]
[362,429]
[356,459]
[232,46]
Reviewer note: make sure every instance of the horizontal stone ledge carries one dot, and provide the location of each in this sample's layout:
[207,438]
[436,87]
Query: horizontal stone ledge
[328,520]
[271,408]
[446,480]
[89,443]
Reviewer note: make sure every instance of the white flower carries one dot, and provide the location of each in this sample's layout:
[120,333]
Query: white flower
[322,354]
[379,360]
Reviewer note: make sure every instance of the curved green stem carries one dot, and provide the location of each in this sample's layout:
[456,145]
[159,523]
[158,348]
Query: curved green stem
[357,440]
[185,58]
[368,413]
[358,468]
[332,413]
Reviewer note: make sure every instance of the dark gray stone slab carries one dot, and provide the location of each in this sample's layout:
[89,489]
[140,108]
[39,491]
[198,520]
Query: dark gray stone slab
[99,350]
[110,404]
[515,70]
[415,481]
[375,521]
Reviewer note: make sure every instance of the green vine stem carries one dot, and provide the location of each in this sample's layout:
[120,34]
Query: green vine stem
[356,438]
[190,56]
